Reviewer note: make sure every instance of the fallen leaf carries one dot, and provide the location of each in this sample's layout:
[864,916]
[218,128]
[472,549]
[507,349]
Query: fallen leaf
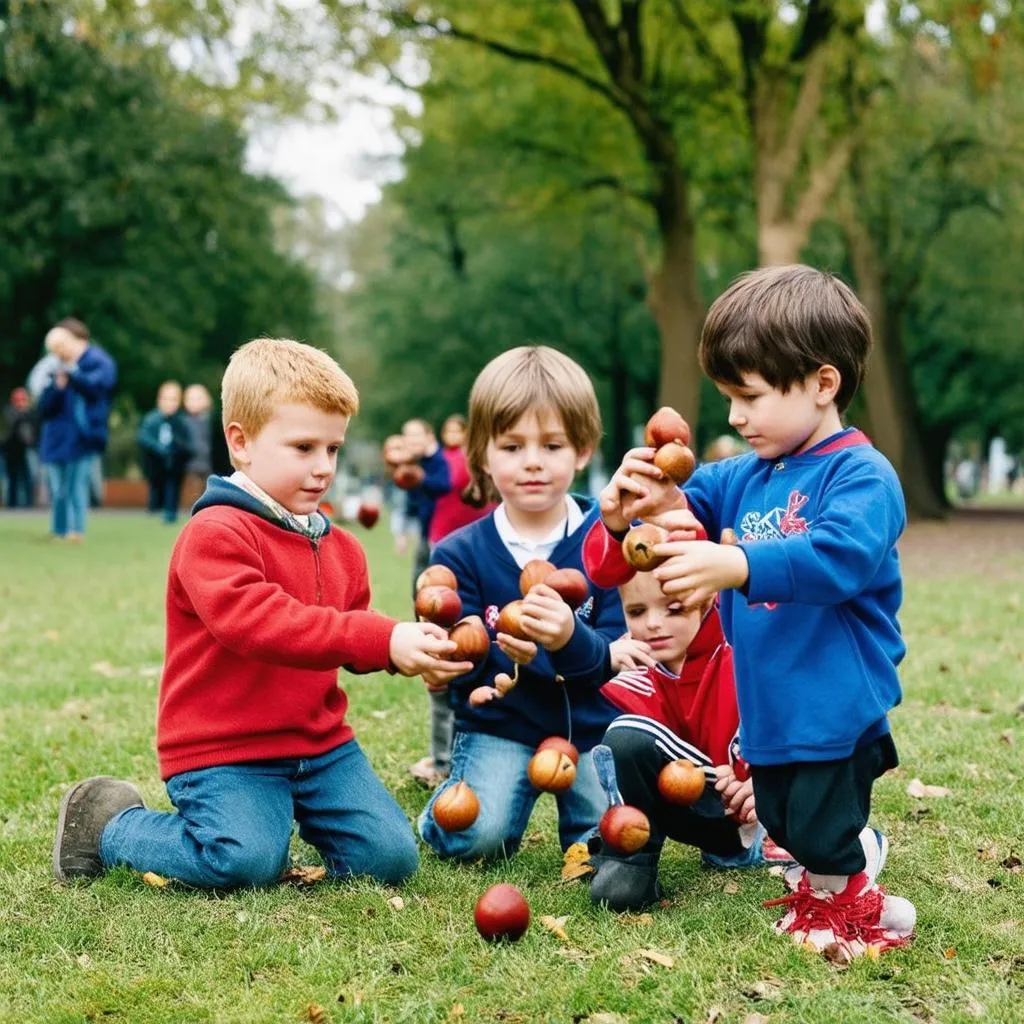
[576,863]
[1007,737]
[730,888]
[315,1014]
[157,881]
[379,714]
[987,853]
[950,954]
[304,875]
[917,788]
[555,925]
[396,903]
[457,1010]
[658,958]
[637,919]
[766,989]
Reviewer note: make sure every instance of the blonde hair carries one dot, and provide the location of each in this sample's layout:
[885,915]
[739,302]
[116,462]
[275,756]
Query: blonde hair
[268,372]
[521,380]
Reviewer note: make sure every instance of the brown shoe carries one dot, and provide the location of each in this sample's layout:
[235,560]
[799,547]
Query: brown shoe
[84,813]
[425,772]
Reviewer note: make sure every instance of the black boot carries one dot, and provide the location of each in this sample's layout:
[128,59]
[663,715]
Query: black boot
[623,882]
[84,813]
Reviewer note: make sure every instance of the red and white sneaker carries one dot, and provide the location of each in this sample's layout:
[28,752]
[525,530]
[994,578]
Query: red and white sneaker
[843,925]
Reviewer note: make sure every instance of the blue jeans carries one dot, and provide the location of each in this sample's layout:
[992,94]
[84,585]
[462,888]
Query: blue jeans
[69,489]
[495,769]
[234,823]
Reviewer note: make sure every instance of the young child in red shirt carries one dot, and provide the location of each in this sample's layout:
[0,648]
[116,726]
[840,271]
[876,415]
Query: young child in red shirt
[265,601]
[677,694]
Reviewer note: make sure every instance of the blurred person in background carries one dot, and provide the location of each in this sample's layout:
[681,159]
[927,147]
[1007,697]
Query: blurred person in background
[20,433]
[166,443]
[199,420]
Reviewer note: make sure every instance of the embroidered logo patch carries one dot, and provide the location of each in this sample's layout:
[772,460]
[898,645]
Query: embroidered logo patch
[780,522]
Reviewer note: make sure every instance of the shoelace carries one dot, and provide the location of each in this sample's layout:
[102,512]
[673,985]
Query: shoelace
[849,919]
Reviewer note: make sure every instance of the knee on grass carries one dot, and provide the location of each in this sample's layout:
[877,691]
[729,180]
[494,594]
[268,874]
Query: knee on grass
[232,865]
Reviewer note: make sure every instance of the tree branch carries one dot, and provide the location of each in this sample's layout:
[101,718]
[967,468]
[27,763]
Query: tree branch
[404,20]
[808,103]
[823,181]
[701,41]
[819,21]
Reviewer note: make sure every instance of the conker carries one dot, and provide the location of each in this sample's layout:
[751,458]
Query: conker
[624,828]
[537,570]
[471,640]
[562,745]
[502,913]
[664,426]
[368,514]
[675,461]
[456,808]
[510,620]
[436,576]
[570,585]
[439,604]
[551,770]
[408,476]
[681,782]
[637,546]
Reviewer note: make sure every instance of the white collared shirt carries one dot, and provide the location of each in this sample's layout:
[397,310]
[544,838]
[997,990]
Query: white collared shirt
[522,549]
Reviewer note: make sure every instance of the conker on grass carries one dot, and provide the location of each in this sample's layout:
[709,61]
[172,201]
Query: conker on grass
[456,808]
[562,745]
[511,620]
[551,770]
[408,476]
[570,585]
[624,828]
[439,604]
[637,546]
[664,426]
[675,461]
[368,514]
[436,576]
[537,570]
[471,640]
[681,782]
[502,913]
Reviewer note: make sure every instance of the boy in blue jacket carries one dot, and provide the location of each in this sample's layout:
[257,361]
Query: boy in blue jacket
[533,424]
[809,593]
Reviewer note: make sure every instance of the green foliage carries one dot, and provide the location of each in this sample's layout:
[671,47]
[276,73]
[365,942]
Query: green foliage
[122,206]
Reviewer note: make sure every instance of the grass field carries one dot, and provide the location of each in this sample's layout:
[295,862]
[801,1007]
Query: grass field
[80,649]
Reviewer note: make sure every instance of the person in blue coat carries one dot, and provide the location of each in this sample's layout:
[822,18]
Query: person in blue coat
[806,527]
[533,424]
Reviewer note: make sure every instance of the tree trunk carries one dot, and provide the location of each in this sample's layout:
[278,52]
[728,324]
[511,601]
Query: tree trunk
[675,302]
[894,423]
[779,243]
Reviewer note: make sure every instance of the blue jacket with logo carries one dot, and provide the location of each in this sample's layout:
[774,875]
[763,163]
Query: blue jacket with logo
[539,706]
[815,636]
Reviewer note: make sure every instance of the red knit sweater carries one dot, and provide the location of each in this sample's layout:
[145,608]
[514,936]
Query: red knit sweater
[258,622]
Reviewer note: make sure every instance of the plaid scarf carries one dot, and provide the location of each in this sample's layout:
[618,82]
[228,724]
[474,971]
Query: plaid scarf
[314,526]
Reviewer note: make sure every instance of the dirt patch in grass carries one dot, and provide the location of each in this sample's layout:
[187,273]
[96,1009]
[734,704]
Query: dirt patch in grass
[989,542]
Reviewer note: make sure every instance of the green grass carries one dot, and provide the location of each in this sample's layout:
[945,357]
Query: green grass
[80,645]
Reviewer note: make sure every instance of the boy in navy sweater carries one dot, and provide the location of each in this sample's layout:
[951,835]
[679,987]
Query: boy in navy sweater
[809,594]
[533,424]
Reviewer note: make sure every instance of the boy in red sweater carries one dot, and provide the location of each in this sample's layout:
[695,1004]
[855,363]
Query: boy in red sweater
[677,693]
[265,600]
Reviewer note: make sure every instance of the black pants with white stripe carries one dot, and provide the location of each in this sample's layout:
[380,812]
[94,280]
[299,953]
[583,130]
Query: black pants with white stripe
[642,747]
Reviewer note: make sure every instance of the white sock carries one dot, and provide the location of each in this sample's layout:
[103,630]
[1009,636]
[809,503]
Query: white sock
[829,883]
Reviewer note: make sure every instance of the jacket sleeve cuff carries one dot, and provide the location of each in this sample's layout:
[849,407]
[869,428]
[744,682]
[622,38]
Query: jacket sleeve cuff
[374,642]
[582,654]
[769,577]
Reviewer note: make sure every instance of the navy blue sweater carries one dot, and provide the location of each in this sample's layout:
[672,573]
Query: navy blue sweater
[539,706]
[815,636]
[436,481]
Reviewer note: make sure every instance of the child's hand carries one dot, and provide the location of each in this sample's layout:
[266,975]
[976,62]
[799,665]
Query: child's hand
[627,653]
[738,797]
[638,490]
[418,648]
[547,618]
[696,570]
[520,651]
[681,522]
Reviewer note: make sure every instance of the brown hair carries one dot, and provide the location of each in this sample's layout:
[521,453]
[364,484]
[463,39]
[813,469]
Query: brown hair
[522,379]
[784,323]
[269,372]
[75,327]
